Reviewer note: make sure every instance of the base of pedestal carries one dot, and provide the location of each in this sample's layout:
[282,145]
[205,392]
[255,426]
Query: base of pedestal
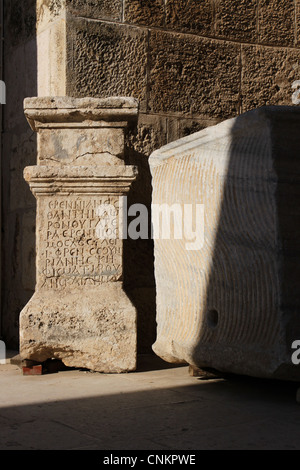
[94,328]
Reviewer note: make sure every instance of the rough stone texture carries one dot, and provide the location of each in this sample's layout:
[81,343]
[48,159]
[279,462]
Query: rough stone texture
[80,312]
[233,55]
[51,47]
[28,250]
[145,12]
[207,70]
[107,60]
[281,13]
[80,131]
[80,329]
[232,303]
[297,21]
[96,9]
[268,75]
[236,19]
[190,16]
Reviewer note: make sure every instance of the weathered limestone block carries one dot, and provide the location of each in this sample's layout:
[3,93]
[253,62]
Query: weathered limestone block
[228,298]
[236,19]
[281,13]
[190,15]
[145,12]
[104,9]
[80,131]
[267,75]
[79,312]
[208,71]
[107,59]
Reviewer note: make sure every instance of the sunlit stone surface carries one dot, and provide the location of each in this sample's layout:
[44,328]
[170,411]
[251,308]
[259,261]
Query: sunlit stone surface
[232,302]
[79,312]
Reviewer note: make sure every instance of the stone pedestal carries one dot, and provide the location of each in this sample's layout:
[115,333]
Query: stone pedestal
[79,312]
[228,298]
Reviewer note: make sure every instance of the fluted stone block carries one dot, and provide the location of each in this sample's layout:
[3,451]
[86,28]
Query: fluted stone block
[231,301]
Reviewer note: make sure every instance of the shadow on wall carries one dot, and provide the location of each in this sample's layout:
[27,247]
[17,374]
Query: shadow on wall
[139,281]
[18,151]
[251,315]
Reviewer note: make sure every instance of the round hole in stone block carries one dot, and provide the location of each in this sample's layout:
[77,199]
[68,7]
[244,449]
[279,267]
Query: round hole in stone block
[212,318]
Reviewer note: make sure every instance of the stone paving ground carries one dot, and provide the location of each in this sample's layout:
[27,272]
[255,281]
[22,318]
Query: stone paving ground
[159,407]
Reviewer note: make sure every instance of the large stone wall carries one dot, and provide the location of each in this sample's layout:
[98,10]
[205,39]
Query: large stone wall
[18,150]
[228,294]
[191,64]
[193,59]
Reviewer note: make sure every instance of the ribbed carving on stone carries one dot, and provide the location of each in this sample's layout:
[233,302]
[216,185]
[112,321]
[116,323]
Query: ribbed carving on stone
[225,305]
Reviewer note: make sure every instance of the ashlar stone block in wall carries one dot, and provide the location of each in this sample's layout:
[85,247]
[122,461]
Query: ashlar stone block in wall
[236,19]
[267,75]
[79,312]
[228,287]
[280,13]
[191,16]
